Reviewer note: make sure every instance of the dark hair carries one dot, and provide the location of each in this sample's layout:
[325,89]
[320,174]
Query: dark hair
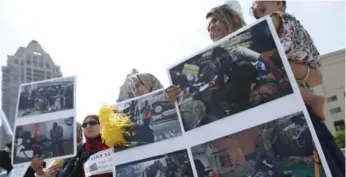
[252,8]
[217,51]
[9,145]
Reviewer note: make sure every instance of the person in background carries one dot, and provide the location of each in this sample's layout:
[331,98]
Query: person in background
[5,161]
[56,135]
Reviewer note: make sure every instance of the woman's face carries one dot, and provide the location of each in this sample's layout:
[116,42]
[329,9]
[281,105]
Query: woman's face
[216,29]
[263,8]
[138,88]
[91,128]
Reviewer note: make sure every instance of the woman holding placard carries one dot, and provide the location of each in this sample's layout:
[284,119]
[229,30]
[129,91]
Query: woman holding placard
[74,166]
[226,19]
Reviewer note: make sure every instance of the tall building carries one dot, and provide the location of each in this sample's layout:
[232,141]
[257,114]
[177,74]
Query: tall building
[333,89]
[125,90]
[28,64]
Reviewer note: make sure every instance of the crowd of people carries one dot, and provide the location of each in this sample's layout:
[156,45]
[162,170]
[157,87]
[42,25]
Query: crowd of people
[46,98]
[222,20]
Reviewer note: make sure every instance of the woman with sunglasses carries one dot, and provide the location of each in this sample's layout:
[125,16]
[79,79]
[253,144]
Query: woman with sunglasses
[74,167]
[93,144]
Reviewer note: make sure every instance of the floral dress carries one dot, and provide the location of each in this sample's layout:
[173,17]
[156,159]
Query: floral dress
[297,42]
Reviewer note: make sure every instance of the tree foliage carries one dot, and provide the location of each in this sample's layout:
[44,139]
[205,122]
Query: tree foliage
[340,138]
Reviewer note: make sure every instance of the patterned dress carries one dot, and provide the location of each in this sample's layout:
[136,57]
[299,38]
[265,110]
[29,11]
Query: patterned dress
[297,42]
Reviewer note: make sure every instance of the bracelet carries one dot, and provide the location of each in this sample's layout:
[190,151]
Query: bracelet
[307,74]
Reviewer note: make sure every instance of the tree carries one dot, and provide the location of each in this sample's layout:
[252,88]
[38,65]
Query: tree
[340,138]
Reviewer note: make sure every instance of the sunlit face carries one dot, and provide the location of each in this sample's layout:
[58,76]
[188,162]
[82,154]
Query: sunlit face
[138,88]
[91,128]
[216,29]
[263,8]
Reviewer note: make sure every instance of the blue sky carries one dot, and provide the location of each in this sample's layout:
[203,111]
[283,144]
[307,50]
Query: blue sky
[101,41]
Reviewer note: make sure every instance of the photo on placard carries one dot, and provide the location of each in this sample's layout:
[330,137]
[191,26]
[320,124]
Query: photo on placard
[53,139]
[240,72]
[282,147]
[154,117]
[46,97]
[175,164]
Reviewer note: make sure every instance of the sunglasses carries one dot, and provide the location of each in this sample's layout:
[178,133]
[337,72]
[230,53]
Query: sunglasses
[91,123]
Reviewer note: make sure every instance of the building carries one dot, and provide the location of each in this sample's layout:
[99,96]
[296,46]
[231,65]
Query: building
[28,64]
[333,88]
[125,90]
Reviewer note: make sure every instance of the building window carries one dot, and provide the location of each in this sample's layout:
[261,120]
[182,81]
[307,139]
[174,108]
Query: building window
[21,62]
[339,125]
[335,110]
[28,62]
[41,64]
[16,61]
[332,98]
[47,65]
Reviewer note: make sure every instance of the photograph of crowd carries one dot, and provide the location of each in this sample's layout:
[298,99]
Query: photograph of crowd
[280,148]
[154,116]
[240,73]
[45,97]
[52,139]
[175,164]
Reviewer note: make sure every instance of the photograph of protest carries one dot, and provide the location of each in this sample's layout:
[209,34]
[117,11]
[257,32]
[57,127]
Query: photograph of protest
[175,164]
[46,97]
[280,148]
[242,72]
[154,116]
[54,138]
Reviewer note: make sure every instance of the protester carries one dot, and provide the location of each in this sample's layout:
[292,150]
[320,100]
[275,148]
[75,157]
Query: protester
[224,20]
[93,144]
[5,161]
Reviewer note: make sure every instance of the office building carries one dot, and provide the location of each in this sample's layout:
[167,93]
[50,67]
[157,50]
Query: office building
[28,64]
[125,90]
[333,88]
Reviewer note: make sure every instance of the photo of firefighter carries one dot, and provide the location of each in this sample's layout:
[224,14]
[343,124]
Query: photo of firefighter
[236,75]
[154,116]
[280,148]
[175,164]
[51,138]
[46,97]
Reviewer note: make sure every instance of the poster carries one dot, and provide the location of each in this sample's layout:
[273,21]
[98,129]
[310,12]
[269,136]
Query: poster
[99,163]
[241,85]
[282,147]
[45,123]
[19,170]
[155,118]
[172,164]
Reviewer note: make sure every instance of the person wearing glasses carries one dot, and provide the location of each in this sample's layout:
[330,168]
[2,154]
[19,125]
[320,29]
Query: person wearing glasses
[90,128]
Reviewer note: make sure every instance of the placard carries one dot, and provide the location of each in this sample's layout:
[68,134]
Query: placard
[99,163]
[241,82]
[45,120]
[19,170]
[155,118]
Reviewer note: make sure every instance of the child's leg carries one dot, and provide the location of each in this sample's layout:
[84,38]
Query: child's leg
[314,101]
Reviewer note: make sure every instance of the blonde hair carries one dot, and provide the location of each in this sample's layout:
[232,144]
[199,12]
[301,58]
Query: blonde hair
[229,17]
